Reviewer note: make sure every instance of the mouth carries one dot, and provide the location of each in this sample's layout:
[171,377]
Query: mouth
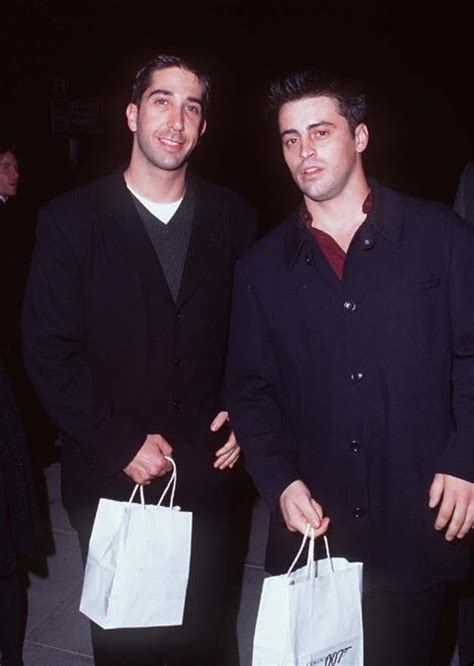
[170,143]
[310,171]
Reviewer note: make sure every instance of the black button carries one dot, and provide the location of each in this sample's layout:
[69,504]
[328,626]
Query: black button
[179,315]
[357,376]
[308,260]
[177,404]
[177,362]
[367,243]
[357,513]
[349,306]
[355,446]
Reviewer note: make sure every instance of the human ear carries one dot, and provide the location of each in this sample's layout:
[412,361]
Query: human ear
[361,136]
[131,113]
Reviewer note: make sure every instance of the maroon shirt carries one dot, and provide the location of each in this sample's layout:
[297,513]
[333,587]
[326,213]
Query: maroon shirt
[334,254]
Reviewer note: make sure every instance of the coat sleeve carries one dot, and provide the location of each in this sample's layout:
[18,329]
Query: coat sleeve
[55,353]
[255,413]
[458,458]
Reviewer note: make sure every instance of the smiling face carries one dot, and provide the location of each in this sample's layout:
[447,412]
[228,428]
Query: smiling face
[168,121]
[321,152]
[9,175]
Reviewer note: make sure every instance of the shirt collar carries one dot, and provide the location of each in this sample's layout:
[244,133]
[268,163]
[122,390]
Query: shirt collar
[307,218]
[385,217]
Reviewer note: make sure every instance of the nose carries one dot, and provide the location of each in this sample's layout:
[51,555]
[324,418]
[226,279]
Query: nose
[176,120]
[307,148]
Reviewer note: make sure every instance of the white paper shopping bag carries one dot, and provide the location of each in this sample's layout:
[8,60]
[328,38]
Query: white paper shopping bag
[311,616]
[137,566]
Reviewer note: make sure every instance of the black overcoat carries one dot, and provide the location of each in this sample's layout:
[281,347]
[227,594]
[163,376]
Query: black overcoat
[19,527]
[363,388]
[112,356]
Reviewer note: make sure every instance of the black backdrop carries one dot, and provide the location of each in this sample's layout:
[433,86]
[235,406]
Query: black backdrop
[414,60]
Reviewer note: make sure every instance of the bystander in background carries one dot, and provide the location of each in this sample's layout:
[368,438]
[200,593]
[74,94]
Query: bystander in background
[464,205]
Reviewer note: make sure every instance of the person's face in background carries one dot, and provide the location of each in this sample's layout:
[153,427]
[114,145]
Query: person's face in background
[9,175]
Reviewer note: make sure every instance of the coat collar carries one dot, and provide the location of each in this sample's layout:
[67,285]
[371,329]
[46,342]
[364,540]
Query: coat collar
[205,244]
[116,203]
[385,218]
[118,210]
[387,214]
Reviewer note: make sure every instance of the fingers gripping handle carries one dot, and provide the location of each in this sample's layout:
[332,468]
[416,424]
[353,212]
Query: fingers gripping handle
[309,534]
[171,484]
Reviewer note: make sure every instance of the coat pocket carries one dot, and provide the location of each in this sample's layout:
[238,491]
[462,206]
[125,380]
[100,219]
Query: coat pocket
[423,284]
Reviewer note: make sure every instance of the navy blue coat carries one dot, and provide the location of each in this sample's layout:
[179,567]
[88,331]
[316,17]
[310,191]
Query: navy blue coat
[363,388]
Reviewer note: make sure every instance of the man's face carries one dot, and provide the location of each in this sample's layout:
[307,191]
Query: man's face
[319,148]
[9,175]
[168,122]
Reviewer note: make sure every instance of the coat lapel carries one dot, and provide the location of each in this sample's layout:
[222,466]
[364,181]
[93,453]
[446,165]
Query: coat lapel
[205,246]
[305,256]
[118,209]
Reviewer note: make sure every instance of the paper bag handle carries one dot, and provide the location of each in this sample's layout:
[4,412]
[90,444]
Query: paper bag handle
[310,558]
[171,484]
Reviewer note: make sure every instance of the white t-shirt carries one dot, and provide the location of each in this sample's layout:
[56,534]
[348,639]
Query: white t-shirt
[163,211]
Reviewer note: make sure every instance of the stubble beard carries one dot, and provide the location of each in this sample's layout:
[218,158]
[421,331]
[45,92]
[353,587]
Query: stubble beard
[316,191]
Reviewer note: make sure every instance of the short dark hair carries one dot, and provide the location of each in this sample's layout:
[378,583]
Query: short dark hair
[163,61]
[313,83]
[7,146]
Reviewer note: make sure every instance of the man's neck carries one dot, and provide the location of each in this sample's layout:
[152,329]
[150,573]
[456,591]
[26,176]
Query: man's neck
[155,184]
[342,215]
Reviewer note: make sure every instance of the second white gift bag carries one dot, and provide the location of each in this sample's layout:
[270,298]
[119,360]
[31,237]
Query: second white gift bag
[311,616]
[137,566]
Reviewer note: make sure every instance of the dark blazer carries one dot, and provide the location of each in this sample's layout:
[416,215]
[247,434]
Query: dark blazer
[363,388]
[15,256]
[111,354]
[19,529]
[464,200]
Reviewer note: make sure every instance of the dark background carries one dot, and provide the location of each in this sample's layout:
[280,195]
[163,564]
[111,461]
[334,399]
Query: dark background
[415,61]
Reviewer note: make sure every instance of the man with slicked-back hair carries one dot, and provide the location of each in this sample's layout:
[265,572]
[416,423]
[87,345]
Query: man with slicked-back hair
[125,334]
[351,373]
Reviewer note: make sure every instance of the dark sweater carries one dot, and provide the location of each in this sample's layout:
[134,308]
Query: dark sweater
[171,240]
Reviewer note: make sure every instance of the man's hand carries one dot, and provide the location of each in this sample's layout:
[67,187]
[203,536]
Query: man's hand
[457,505]
[150,461]
[299,508]
[227,455]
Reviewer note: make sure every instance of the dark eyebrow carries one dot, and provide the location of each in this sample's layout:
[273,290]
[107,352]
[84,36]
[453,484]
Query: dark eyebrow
[322,122]
[288,131]
[309,127]
[196,100]
[159,91]
[169,93]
